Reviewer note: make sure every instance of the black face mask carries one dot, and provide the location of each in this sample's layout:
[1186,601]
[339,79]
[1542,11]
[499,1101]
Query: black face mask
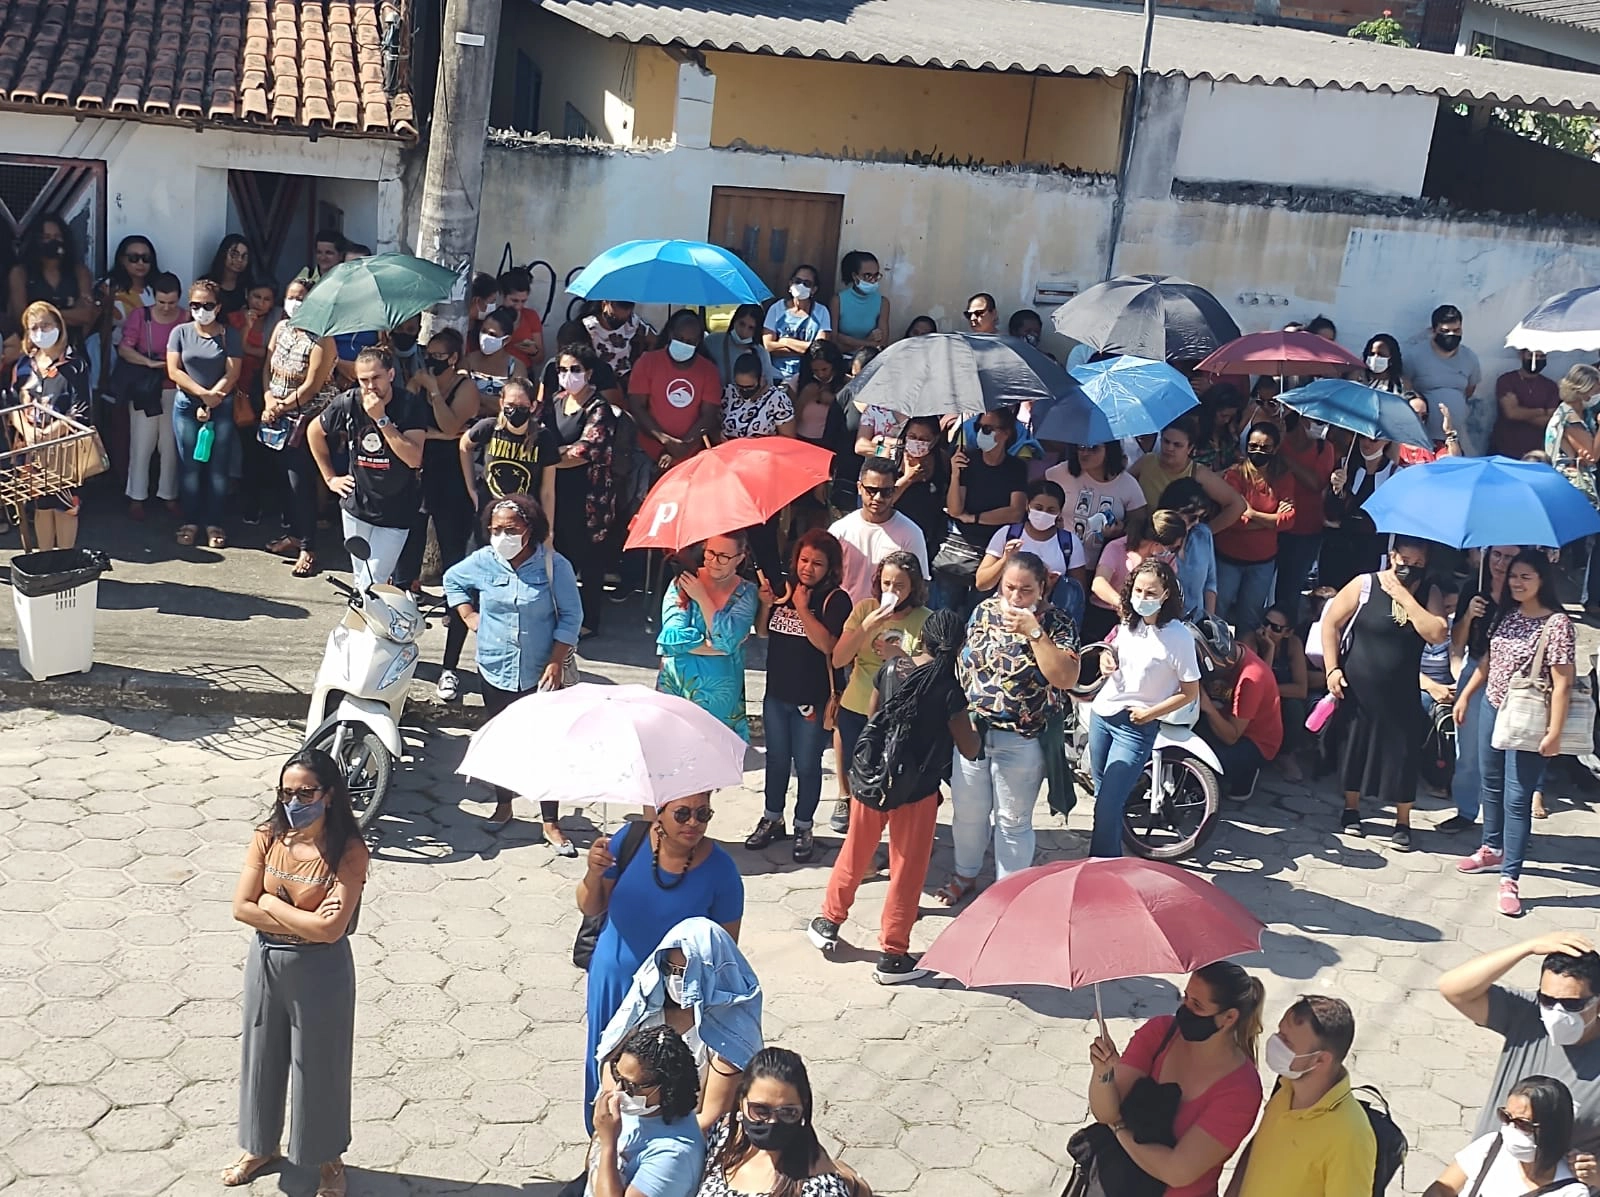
[404,342]
[749,392]
[770,1136]
[612,322]
[1196,1028]
[438,365]
[516,417]
[1260,458]
[1534,364]
[1407,573]
[1447,341]
[52,248]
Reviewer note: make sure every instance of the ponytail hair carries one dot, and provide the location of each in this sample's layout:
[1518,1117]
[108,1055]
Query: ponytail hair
[1234,989]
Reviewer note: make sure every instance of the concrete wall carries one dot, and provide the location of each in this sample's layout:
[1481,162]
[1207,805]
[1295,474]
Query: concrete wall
[1306,137]
[171,184]
[1483,21]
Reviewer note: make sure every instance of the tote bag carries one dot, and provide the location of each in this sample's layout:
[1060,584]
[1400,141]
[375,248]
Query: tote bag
[1524,713]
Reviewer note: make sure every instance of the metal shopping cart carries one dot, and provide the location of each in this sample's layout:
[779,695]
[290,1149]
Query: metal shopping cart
[39,462]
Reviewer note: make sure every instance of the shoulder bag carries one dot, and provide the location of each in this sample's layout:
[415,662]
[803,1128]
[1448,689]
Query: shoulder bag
[1524,713]
[589,929]
[569,667]
[830,713]
[138,386]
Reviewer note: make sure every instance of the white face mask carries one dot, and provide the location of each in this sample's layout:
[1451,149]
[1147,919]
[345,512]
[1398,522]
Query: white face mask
[680,351]
[1146,606]
[1519,1144]
[1281,1058]
[1042,520]
[800,290]
[918,448]
[1565,1027]
[45,338]
[572,381]
[637,1106]
[675,989]
[291,306]
[507,544]
[204,317]
[1377,363]
[491,344]
[1316,430]
[985,440]
[738,340]
[866,288]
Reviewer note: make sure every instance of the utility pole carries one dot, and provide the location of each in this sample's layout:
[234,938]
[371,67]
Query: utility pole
[453,186]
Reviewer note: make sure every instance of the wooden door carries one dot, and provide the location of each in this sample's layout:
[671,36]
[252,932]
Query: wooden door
[775,231]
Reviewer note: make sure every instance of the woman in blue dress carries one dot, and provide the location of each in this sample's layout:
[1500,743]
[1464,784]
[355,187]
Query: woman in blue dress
[679,873]
[706,616]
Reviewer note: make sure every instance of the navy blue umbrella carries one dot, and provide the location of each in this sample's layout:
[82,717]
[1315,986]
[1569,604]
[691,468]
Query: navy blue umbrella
[1470,502]
[1358,408]
[960,374]
[1568,322]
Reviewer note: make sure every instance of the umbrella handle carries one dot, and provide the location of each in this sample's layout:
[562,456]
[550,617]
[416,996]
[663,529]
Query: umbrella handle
[1099,1014]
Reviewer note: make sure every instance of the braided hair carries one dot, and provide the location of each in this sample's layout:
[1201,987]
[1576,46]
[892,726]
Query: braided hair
[670,1064]
[942,638]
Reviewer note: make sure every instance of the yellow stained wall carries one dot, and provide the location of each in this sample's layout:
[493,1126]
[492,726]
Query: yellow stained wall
[848,109]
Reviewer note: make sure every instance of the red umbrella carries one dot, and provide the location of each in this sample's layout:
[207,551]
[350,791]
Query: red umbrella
[1281,353]
[737,485]
[1085,921]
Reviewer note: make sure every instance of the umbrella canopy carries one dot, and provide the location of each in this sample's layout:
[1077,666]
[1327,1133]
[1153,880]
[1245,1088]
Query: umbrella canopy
[1566,322]
[1148,315]
[959,374]
[1470,502]
[1358,408]
[373,294]
[738,484]
[1078,922]
[691,273]
[591,743]
[1136,396]
[1281,353]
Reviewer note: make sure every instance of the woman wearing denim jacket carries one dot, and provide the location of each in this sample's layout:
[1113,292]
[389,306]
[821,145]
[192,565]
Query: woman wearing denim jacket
[521,599]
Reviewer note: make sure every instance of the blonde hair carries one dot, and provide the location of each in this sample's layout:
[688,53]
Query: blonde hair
[40,308]
[1581,382]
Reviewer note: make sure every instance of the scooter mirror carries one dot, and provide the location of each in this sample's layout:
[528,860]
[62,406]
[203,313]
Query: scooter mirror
[358,548]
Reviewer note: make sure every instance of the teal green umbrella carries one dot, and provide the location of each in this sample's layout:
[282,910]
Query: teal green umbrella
[373,294]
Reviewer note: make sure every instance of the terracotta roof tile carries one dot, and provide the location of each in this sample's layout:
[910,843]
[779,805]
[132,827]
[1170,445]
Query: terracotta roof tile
[271,64]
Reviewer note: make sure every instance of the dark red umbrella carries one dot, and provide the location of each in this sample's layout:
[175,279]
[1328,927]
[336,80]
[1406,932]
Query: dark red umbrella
[1280,353]
[738,484]
[1083,921]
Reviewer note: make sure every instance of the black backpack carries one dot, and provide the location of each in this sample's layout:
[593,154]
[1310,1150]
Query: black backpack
[885,771]
[1392,1145]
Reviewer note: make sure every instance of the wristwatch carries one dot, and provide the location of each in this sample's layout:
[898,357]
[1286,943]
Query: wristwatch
[384,422]
[1036,633]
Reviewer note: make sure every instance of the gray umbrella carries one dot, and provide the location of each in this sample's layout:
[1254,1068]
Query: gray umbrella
[959,374]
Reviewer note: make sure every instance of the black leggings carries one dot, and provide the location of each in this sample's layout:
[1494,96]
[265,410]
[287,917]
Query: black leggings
[305,481]
[496,700]
[574,542]
[445,501]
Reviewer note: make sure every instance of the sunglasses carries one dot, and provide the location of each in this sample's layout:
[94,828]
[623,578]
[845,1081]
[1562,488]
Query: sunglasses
[631,1088]
[759,1111]
[869,278]
[721,558]
[302,794]
[1277,628]
[877,492]
[202,307]
[1087,448]
[700,814]
[1575,1005]
[145,259]
[1526,1125]
[981,312]
[800,278]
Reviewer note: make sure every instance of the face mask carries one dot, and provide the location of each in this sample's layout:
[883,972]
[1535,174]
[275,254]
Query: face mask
[204,317]
[46,338]
[507,544]
[491,344]
[1031,338]
[438,365]
[918,448]
[1196,1028]
[985,440]
[1378,363]
[291,306]
[1042,520]
[1146,607]
[738,340]
[1519,1144]
[680,351]
[404,342]
[52,249]
[1565,1027]
[636,1106]
[866,288]
[1592,401]
[1534,364]
[1316,430]
[675,989]
[1281,1058]
[769,1136]
[516,417]
[1260,458]
[302,814]
[1447,341]
[1406,573]
[573,381]
[800,290]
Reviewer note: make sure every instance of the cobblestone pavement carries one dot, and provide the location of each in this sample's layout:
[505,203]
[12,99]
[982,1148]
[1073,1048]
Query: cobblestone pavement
[120,967]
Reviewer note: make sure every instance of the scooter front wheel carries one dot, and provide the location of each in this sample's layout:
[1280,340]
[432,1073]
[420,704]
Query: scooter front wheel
[1184,820]
[364,761]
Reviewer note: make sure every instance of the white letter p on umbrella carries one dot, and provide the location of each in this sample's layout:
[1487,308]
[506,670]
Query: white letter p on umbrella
[665,514]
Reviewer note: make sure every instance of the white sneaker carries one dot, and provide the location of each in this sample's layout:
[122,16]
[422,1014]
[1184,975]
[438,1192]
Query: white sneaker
[449,688]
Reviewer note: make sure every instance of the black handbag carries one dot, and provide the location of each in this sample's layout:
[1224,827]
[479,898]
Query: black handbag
[138,386]
[589,930]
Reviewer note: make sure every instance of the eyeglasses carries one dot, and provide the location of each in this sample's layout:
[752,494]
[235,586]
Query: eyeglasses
[759,1111]
[876,492]
[1087,448]
[722,558]
[302,794]
[700,814]
[869,278]
[800,278]
[1526,1125]
[1571,1005]
[145,259]
[202,307]
[631,1088]
[988,427]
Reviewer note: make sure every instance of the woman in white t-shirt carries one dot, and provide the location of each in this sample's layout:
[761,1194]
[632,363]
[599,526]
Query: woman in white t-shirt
[1150,673]
[1041,534]
[1528,1155]
[1100,494]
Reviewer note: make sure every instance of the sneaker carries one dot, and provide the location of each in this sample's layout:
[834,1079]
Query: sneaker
[1510,903]
[804,846]
[1484,860]
[840,821]
[449,687]
[252,518]
[1400,841]
[1455,823]
[1350,823]
[824,933]
[896,969]
[620,595]
[766,831]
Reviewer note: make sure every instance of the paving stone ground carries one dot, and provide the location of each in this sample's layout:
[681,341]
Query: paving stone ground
[120,964]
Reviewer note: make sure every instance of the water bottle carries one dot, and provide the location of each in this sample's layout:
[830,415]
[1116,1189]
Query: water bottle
[202,444]
[1321,713]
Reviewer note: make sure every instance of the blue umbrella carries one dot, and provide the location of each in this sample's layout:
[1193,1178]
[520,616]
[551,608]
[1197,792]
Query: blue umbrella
[690,273]
[1137,395]
[1470,502]
[1362,409]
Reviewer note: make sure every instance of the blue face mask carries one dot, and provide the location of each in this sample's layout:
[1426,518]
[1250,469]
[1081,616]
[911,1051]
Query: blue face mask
[985,440]
[866,288]
[302,814]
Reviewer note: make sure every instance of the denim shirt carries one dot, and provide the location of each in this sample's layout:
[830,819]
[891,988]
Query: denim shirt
[517,614]
[1197,570]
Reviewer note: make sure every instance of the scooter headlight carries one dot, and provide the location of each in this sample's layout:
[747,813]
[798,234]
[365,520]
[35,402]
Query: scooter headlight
[403,660]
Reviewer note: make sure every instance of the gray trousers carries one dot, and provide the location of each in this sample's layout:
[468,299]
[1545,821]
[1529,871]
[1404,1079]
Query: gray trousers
[299,1027]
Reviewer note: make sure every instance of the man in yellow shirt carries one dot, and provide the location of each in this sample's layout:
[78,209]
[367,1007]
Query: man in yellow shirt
[1314,1139]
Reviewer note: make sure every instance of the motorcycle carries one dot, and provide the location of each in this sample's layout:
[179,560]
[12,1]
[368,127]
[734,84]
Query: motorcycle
[360,689]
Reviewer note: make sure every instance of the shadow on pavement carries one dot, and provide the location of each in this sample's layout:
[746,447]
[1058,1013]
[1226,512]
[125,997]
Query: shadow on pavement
[178,598]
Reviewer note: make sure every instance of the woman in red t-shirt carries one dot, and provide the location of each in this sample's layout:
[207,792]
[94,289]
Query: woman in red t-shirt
[1208,1049]
[1246,551]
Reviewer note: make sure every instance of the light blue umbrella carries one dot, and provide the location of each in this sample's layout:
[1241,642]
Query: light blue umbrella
[688,273]
[1137,395]
[1358,408]
[1470,502]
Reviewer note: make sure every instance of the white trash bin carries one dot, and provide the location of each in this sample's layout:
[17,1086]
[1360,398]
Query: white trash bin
[55,631]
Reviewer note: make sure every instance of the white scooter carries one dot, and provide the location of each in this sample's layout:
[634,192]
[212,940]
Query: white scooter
[364,677]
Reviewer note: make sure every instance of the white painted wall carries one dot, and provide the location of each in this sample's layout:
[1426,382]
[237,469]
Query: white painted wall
[1306,137]
[1487,21]
[171,184]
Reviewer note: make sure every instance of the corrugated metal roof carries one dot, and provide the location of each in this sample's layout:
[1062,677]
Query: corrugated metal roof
[1581,14]
[1050,37]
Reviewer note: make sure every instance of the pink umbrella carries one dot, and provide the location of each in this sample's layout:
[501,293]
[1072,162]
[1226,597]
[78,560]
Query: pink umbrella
[591,743]
[1281,353]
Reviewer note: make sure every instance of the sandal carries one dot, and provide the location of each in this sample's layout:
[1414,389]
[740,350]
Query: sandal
[331,1181]
[306,566]
[285,546]
[246,1168]
[956,890]
[1539,811]
[188,534]
[216,538]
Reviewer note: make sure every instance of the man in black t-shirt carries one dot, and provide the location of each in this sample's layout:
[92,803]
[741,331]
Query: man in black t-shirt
[383,428]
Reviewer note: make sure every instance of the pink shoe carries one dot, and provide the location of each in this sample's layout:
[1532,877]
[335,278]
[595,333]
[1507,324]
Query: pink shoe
[1510,903]
[1484,860]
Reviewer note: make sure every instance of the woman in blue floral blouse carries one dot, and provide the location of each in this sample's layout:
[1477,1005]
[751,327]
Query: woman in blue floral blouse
[706,615]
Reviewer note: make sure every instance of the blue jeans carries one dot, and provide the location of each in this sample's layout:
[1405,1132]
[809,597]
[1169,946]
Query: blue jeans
[797,740]
[1509,779]
[1001,787]
[1243,591]
[1119,750]
[1467,782]
[203,485]
[1297,553]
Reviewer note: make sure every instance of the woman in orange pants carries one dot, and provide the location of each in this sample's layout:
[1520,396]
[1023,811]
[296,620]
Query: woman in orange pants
[922,694]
